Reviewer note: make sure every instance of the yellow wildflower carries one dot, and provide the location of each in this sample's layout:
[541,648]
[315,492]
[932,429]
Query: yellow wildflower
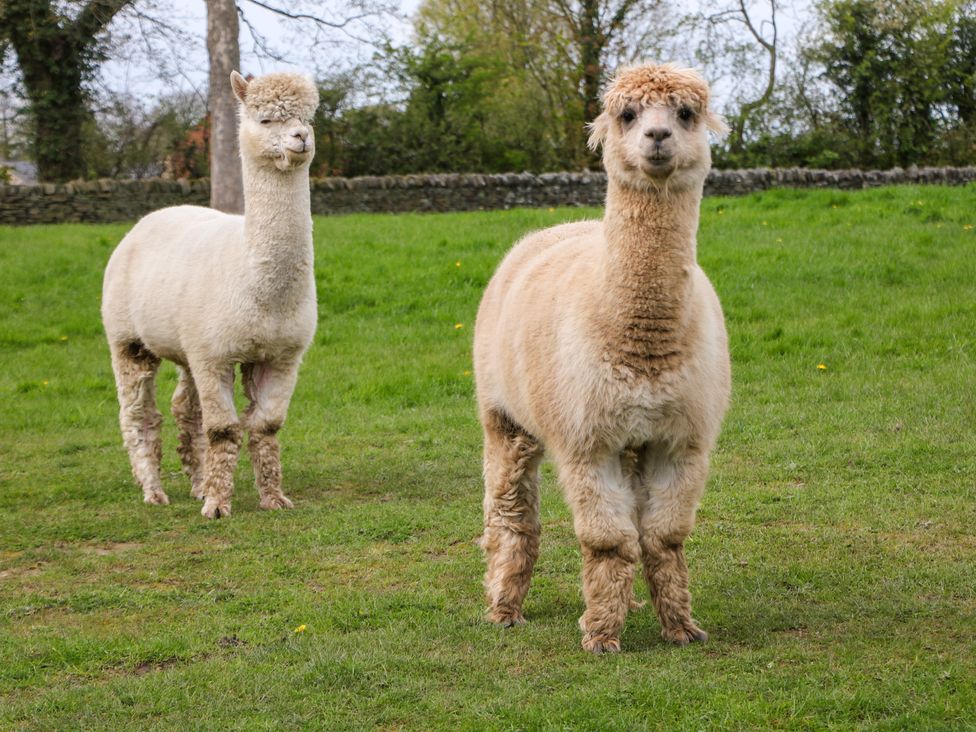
[63,338]
[467,373]
[822,366]
[457,263]
[301,628]
[458,326]
[967,227]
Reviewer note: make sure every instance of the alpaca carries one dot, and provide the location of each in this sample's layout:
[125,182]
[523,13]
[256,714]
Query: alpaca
[209,290]
[604,343]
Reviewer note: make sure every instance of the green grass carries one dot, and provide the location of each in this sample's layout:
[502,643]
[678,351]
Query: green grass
[833,561]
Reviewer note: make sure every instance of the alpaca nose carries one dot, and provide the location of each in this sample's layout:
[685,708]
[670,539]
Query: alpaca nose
[659,133]
[301,133]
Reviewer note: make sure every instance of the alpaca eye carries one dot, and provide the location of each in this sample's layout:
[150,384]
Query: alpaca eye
[628,116]
[686,114]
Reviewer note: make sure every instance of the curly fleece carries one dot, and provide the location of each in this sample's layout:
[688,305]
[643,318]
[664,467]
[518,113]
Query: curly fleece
[282,96]
[656,84]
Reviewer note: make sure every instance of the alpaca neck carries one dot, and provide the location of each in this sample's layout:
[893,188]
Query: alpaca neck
[277,233]
[650,240]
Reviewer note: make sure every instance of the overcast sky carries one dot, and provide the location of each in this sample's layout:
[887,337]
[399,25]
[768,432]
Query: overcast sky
[154,65]
[172,57]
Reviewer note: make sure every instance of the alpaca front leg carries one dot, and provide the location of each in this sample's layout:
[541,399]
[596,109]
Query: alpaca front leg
[215,386]
[192,447]
[667,515]
[269,388]
[603,515]
[511,516]
[135,377]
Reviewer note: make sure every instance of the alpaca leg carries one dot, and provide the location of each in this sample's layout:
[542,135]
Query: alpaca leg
[511,508]
[215,386]
[135,378]
[603,515]
[269,388]
[667,514]
[192,447]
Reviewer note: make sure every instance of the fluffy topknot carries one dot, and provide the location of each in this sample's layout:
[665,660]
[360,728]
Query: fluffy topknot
[279,96]
[650,84]
[656,84]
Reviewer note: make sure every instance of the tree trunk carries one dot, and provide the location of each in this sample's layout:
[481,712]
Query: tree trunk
[591,49]
[58,118]
[58,109]
[226,187]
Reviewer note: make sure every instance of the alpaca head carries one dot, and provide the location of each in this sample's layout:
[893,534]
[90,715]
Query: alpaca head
[654,128]
[276,119]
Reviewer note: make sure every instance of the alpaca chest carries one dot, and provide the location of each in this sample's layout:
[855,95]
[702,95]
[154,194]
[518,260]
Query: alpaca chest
[273,336]
[284,337]
[643,411]
[638,410]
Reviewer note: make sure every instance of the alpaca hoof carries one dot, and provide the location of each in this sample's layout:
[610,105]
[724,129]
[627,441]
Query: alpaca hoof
[506,618]
[156,498]
[213,509]
[196,491]
[270,503]
[600,644]
[688,633]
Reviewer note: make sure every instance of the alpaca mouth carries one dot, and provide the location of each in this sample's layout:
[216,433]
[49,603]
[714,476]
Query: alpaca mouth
[290,159]
[658,163]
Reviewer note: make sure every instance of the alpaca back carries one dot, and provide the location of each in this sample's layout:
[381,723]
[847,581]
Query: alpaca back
[178,282]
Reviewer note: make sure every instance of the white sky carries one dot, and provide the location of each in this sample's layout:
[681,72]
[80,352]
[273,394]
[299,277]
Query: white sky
[159,68]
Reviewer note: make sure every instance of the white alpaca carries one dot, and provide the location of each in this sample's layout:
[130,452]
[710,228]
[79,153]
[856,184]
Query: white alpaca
[603,342]
[208,290]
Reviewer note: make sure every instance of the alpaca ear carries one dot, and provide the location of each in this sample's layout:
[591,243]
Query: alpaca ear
[716,123]
[598,131]
[239,84]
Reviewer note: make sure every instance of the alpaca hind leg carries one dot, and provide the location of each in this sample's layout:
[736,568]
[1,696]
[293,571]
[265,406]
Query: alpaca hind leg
[269,388]
[604,519]
[135,378]
[215,387]
[192,446]
[667,514]
[511,516]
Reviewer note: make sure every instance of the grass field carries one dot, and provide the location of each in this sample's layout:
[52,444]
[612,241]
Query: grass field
[833,561]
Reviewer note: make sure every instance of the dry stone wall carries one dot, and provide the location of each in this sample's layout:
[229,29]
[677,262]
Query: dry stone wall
[108,200]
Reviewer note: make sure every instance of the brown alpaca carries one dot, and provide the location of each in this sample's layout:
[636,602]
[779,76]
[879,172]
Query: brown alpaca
[604,344]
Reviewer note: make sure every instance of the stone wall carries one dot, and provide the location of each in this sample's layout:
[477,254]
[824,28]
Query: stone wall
[107,200]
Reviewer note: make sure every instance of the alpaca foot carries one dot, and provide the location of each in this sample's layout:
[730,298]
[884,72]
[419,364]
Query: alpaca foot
[156,498]
[505,618]
[278,501]
[686,633]
[196,491]
[214,508]
[600,643]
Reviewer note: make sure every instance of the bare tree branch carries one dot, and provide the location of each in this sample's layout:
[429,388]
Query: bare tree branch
[314,18]
[260,41]
[95,16]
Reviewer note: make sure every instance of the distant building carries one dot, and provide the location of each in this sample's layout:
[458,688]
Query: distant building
[21,172]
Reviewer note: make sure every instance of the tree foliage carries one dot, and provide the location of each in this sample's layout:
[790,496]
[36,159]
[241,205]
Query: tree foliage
[510,85]
[58,47]
[876,84]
